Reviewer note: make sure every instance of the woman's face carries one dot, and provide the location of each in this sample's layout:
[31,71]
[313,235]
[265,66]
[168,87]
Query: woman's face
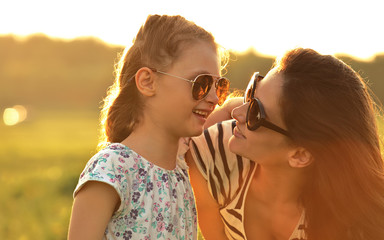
[173,106]
[262,144]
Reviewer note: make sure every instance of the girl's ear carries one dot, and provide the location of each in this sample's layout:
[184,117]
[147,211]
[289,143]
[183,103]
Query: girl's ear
[145,81]
[300,157]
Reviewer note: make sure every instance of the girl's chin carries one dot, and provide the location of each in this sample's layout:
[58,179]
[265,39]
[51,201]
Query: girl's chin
[197,131]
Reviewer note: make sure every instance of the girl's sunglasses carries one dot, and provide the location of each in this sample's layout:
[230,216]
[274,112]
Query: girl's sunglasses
[202,84]
[256,113]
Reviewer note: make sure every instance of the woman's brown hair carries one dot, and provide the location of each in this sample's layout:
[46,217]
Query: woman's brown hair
[158,44]
[328,110]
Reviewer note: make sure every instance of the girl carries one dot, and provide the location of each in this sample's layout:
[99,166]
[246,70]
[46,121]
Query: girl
[301,161]
[136,187]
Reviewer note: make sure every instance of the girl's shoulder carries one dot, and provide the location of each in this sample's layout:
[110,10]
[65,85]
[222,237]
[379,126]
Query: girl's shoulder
[117,158]
[116,165]
[116,149]
[119,161]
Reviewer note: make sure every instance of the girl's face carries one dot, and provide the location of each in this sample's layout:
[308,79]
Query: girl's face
[262,143]
[173,106]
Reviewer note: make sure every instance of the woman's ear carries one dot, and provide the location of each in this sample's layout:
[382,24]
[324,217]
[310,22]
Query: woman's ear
[145,81]
[300,157]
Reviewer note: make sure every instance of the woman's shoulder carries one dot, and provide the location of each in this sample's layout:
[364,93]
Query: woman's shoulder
[212,146]
[214,135]
[224,171]
[221,130]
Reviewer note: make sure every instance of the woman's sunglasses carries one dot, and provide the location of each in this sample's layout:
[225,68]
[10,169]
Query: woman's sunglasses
[256,113]
[202,84]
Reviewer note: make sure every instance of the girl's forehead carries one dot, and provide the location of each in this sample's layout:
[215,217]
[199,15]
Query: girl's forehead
[198,58]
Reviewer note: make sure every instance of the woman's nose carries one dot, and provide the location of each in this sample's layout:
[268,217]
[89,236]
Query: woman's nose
[240,113]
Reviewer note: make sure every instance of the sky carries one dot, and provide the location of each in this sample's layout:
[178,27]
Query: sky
[270,26]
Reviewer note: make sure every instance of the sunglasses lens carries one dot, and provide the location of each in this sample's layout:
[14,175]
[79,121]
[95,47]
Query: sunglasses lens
[251,85]
[222,90]
[253,117]
[248,92]
[202,86]
[247,95]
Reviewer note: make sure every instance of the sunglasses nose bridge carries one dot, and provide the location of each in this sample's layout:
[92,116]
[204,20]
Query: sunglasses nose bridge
[216,82]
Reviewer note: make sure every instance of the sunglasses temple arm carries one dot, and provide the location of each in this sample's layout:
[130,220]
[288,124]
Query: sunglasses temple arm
[275,128]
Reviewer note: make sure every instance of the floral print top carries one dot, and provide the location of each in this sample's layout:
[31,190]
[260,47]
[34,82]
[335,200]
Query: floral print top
[155,203]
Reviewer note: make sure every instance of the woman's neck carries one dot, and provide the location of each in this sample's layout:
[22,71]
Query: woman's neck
[278,185]
[158,147]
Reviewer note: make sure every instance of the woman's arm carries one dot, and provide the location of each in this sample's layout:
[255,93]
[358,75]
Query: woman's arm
[222,113]
[209,218]
[92,209]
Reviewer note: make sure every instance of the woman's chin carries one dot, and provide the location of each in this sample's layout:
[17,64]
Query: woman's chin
[234,145]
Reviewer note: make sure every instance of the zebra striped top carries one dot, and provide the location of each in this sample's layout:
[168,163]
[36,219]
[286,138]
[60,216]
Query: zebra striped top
[228,177]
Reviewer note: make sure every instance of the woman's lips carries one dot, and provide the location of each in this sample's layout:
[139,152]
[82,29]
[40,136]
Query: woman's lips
[237,133]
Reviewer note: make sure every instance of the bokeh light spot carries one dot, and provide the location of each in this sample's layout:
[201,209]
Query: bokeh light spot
[14,115]
[22,112]
[10,116]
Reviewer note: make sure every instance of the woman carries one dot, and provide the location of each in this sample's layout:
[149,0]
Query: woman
[310,165]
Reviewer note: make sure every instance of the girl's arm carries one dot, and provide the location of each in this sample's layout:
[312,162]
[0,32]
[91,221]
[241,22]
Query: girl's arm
[209,218]
[92,209]
[222,113]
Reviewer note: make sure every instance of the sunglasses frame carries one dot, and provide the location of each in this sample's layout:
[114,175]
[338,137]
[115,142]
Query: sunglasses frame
[215,79]
[249,96]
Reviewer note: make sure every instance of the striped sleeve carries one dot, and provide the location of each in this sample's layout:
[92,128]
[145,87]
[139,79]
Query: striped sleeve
[221,168]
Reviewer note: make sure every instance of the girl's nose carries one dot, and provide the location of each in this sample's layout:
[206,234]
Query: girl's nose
[212,95]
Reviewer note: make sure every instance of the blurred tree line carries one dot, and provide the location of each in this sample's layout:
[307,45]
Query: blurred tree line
[41,72]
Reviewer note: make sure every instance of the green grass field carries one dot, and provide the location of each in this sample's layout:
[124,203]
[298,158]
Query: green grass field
[41,160]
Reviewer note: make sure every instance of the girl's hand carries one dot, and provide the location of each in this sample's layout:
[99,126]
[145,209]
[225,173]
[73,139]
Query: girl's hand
[222,113]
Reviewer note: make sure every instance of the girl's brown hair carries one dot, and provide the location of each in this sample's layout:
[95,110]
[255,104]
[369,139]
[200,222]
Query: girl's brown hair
[158,44]
[327,109]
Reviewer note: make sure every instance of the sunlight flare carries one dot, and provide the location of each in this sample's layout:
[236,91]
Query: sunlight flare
[14,115]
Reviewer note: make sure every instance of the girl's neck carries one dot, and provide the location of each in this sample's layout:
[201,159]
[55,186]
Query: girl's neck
[278,185]
[157,147]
